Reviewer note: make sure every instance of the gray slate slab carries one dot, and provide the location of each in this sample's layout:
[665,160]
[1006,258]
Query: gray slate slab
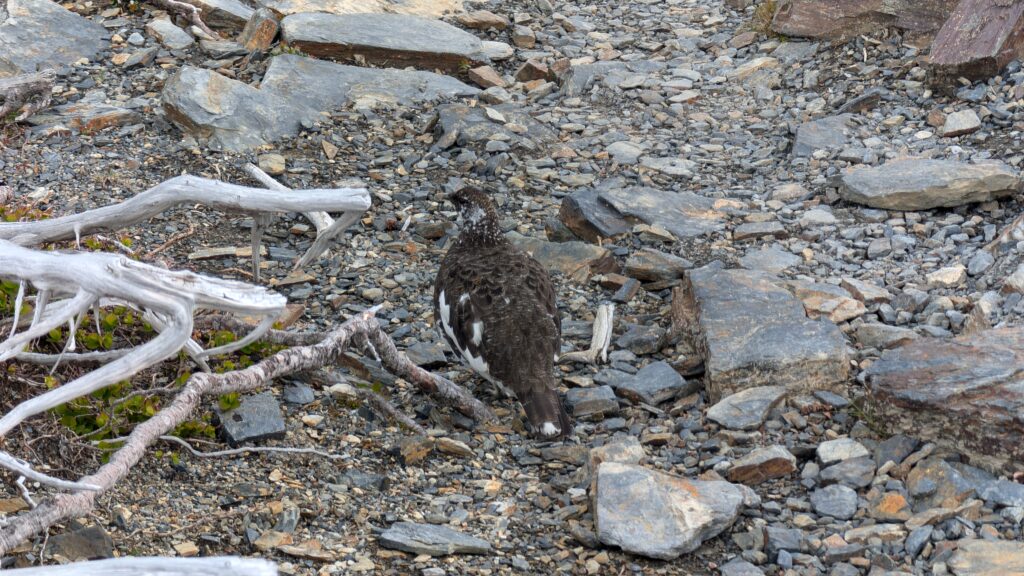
[754,332]
[40,34]
[921,184]
[394,40]
[431,540]
[256,418]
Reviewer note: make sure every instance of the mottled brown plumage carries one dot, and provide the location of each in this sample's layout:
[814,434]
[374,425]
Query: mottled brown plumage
[495,307]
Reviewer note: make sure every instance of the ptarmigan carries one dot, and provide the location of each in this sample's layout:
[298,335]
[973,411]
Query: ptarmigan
[495,306]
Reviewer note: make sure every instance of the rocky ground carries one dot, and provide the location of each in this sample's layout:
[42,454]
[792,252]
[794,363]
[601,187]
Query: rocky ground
[814,256]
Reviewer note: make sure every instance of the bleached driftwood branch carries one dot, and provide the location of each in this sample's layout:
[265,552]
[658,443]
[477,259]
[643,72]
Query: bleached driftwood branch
[200,385]
[25,94]
[182,190]
[68,285]
[326,227]
[223,566]
[599,340]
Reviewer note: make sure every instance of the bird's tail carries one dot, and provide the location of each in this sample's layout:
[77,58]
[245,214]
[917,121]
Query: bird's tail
[547,415]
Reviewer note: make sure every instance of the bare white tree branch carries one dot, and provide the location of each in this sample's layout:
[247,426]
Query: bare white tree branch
[223,566]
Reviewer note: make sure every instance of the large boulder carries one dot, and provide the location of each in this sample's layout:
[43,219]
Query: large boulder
[753,332]
[966,394]
[921,184]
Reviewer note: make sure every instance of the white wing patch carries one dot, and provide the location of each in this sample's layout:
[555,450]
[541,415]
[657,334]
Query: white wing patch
[478,333]
[477,363]
[549,429]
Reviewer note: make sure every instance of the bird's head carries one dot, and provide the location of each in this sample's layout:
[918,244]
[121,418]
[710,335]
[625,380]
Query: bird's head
[474,206]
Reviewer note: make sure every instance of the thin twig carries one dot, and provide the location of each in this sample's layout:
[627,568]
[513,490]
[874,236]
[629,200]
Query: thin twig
[245,449]
[171,241]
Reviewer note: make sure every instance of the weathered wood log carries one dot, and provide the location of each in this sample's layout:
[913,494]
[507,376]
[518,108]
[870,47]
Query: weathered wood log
[977,41]
[24,95]
[225,566]
[845,19]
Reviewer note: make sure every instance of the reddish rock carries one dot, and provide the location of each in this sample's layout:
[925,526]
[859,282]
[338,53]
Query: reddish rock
[259,31]
[977,41]
[485,77]
[532,70]
[964,394]
[482,20]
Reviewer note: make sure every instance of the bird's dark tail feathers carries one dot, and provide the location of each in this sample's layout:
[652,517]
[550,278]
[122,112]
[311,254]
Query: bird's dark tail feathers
[547,415]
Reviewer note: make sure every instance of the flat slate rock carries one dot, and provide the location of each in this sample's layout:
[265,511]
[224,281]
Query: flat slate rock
[394,40]
[771,259]
[654,514]
[684,214]
[325,86]
[465,125]
[747,409]
[655,383]
[40,34]
[922,184]
[988,558]
[427,354]
[229,14]
[256,418]
[831,132]
[964,393]
[227,114]
[591,218]
[298,393]
[752,332]
[88,543]
[233,116]
[567,258]
[425,8]
[588,402]
[431,540]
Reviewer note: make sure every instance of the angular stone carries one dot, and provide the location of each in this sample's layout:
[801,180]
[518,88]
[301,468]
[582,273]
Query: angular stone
[755,230]
[260,30]
[949,277]
[89,543]
[482,20]
[426,354]
[763,464]
[753,332]
[221,49]
[655,383]
[960,123]
[256,418]
[884,336]
[661,516]
[684,214]
[922,184]
[298,394]
[833,451]
[891,507]
[532,70]
[837,501]
[40,34]
[424,8]
[831,132]
[963,393]
[466,126]
[988,558]
[485,77]
[597,401]
[680,167]
[421,42]
[738,566]
[884,532]
[86,117]
[169,35]
[854,472]
[895,449]
[770,259]
[431,540]
[652,265]
[978,39]
[778,539]
[230,14]
[866,292]
[227,114]
[642,339]
[568,258]
[523,37]
[591,218]
[747,409]
[826,300]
